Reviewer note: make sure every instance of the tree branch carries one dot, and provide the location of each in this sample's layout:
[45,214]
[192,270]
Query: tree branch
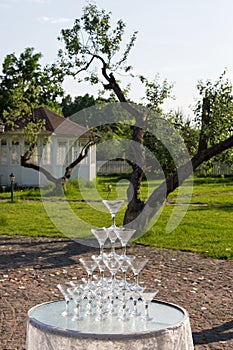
[86,67]
[48,175]
[59,181]
[82,155]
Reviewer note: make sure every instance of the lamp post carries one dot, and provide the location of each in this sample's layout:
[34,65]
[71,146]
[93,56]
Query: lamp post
[12,178]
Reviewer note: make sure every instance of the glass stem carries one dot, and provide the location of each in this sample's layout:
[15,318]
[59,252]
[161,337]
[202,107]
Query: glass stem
[146,309]
[124,309]
[101,249]
[77,309]
[124,274]
[135,306]
[89,278]
[67,306]
[113,280]
[113,247]
[113,220]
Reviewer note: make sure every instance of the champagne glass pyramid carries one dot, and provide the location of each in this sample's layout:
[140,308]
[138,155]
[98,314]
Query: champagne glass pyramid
[113,206]
[101,235]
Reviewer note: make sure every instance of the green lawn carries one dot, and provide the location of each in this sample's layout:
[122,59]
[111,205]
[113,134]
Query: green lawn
[206,228]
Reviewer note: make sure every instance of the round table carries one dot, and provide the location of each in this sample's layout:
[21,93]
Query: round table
[170,329]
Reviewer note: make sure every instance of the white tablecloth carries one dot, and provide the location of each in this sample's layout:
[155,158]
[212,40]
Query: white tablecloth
[48,330]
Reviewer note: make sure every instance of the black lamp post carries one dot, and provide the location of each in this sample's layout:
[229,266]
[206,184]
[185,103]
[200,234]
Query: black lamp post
[12,178]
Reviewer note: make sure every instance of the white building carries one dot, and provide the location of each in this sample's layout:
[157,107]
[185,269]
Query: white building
[64,145]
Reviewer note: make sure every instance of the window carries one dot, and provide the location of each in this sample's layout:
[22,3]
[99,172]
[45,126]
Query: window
[34,155]
[93,154]
[47,154]
[3,152]
[74,151]
[61,152]
[15,152]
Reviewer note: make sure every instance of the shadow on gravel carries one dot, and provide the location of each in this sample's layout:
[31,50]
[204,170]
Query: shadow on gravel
[217,334]
[41,254]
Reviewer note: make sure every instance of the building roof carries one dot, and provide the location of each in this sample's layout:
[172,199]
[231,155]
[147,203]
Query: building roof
[54,123]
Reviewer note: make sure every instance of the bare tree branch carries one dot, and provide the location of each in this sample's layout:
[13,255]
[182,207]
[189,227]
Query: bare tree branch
[58,181]
[82,155]
[86,67]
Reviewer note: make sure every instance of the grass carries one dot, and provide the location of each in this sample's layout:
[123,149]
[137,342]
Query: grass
[26,219]
[206,228]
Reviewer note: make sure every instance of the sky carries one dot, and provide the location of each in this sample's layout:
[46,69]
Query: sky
[184,41]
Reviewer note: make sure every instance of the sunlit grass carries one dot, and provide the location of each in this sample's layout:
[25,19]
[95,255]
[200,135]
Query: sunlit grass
[206,230]
[206,227]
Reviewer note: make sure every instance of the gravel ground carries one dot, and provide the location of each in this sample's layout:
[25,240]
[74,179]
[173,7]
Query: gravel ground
[30,269]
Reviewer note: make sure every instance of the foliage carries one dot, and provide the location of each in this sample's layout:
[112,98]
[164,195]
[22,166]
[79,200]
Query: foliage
[156,93]
[219,116]
[71,106]
[25,85]
[214,114]
[93,35]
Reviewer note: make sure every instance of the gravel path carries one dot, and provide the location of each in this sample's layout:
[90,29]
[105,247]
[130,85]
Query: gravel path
[30,269]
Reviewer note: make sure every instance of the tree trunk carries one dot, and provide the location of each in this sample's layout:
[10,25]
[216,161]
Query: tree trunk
[135,204]
[159,195]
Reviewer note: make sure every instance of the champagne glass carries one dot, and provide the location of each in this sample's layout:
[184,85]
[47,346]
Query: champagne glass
[100,294]
[112,237]
[137,265]
[101,265]
[113,265]
[67,311]
[124,236]
[90,303]
[135,296]
[113,207]
[147,297]
[89,265]
[101,235]
[77,294]
[124,297]
[124,266]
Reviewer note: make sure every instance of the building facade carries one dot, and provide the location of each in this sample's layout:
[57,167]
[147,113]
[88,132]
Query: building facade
[58,146]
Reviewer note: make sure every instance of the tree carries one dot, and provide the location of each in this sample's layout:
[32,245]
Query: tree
[24,86]
[213,112]
[94,40]
[92,47]
[71,106]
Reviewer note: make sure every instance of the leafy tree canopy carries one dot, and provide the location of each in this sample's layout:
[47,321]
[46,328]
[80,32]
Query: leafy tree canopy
[25,85]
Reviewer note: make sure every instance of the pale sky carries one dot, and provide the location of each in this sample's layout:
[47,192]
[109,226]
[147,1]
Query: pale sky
[181,40]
